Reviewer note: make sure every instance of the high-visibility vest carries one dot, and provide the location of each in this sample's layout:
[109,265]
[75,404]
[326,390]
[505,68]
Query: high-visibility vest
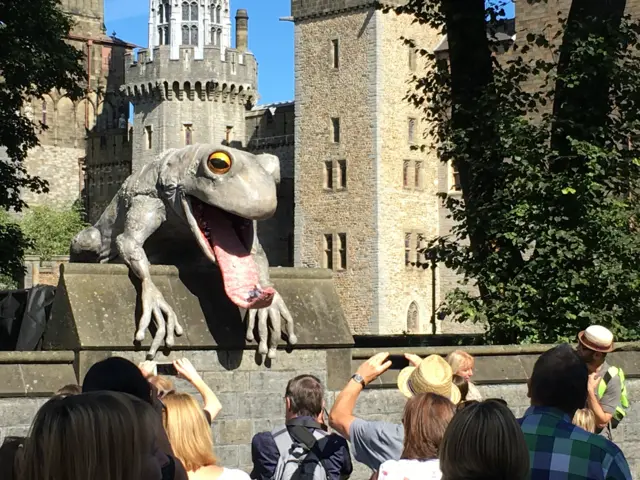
[623,404]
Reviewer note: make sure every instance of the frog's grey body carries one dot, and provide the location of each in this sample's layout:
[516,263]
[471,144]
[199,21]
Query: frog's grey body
[151,220]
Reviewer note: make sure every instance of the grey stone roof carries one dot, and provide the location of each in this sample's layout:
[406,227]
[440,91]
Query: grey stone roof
[273,105]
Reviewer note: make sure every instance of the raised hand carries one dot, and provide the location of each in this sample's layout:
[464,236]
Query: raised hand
[374,367]
[186,370]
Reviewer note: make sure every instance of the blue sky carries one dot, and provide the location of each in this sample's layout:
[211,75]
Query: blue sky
[269,39]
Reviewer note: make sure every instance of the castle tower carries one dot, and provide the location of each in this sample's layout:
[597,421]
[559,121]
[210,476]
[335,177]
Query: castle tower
[190,86]
[365,201]
[84,152]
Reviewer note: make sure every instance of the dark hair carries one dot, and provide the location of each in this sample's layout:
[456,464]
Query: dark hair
[425,420]
[117,375]
[484,441]
[71,389]
[559,380]
[8,451]
[305,394]
[462,385]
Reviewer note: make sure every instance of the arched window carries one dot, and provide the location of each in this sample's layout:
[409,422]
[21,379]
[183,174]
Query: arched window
[161,40]
[213,36]
[185,12]
[413,319]
[219,37]
[167,12]
[167,36]
[218,14]
[160,13]
[194,12]
[185,35]
[194,35]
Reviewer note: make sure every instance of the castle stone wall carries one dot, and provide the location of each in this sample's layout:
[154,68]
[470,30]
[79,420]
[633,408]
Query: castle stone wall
[352,90]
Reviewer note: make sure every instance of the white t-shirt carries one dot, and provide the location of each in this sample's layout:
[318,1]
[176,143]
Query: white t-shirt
[410,470]
[233,474]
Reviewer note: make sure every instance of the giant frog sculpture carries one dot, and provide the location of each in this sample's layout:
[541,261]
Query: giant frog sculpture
[202,195]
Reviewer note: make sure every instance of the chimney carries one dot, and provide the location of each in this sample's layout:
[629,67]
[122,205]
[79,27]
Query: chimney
[242,30]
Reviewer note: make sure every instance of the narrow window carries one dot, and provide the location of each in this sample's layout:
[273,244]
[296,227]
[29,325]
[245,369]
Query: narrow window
[328,175]
[194,35]
[160,13]
[185,35]
[218,10]
[149,133]
[413,318]
[185,12]
[412,130]
[219,38]
[188,135]
[335,124]
[44,112]
[407,248]
[167,34]
[419,176]
[335,53]
[421,244]
[412,58]
[342,250]
[194,12]
[405,173]
[455,178]
[328,251]
[342,174]
[213,36]
[229,134]
[160,36]
[167,13]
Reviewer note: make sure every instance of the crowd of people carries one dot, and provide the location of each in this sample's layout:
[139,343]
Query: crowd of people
[126,422]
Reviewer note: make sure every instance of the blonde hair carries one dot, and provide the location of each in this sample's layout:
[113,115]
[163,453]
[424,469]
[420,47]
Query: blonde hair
[484,440]
[97,436]
[188,431]
[164,386]
[585,419]
[459,360]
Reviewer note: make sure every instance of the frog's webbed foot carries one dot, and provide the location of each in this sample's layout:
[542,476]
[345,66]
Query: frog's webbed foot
[269,326]
[155,306]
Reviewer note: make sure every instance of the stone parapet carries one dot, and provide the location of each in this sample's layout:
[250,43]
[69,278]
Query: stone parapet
[233,68]
[304,9]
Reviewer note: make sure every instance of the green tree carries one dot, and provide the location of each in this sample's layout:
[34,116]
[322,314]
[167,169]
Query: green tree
[50,231]
[34,59]
[546,226]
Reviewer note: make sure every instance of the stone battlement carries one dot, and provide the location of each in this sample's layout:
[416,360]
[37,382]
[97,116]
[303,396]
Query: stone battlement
[303,9]
[163,76]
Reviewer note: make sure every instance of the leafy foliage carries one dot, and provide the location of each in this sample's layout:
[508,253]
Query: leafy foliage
[43,231]
[34,59]
[50,231]
[547,225]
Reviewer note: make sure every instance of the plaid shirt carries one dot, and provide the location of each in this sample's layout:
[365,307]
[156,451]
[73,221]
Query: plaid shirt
[561,451]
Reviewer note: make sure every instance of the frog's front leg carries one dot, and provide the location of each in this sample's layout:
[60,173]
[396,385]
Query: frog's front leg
[269,318]
[144,216]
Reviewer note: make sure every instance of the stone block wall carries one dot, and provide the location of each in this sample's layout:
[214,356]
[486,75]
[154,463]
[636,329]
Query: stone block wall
[251,392]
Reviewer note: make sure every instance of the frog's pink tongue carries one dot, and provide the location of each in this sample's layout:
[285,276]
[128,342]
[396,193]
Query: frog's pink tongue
[239,271]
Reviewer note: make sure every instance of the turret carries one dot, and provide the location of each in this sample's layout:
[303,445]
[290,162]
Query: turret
[242,31]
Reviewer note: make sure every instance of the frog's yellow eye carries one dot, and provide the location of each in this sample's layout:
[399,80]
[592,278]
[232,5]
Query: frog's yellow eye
[219,162]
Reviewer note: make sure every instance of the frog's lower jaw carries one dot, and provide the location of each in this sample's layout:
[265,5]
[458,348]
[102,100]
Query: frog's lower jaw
[226,239]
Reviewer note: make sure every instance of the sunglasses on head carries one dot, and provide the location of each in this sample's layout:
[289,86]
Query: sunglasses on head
[467,403]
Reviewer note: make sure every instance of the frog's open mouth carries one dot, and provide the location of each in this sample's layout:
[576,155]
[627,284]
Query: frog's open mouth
[226,239]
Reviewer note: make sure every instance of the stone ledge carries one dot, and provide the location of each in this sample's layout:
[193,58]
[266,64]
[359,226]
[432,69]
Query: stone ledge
[39,357]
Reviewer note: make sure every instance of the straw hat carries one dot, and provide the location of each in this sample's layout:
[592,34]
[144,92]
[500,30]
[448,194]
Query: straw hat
[597,338]
[433,375]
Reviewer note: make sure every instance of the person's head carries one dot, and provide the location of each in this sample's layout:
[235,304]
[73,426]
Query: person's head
[188,431]
[593,345]
[425,420]
[99,435]
[117,375]
[585,419]
[304,397]
[559,380]
[463,386]
[461,364]
[484,441]
[163,385]
[432,375]
[71,389]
